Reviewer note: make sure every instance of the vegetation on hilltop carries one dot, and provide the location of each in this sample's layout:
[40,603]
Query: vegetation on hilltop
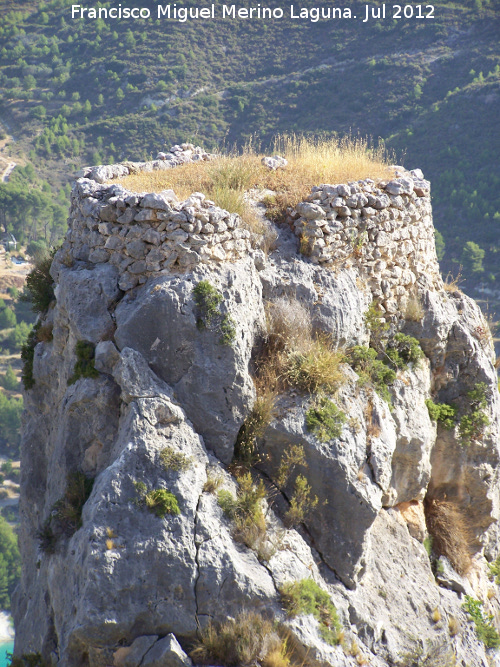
[310,161]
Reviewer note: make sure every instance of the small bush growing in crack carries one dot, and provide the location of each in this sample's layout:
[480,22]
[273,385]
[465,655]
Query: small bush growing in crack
[473,423]
[293,457]
[212,483]
[247,640]
[306,597]
[378,327]
[158,501]
[246,510]
[443,413]
[301,503]
[176,461]
[245,449]
[208,301]
[325,419]
[84,366]
[485,630]
[66,514]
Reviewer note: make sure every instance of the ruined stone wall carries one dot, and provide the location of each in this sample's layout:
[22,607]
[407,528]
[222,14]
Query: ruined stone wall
[385,230]
[146,235]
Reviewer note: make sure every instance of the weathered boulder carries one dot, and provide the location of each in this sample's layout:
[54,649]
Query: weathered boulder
[211,380]
[337,475]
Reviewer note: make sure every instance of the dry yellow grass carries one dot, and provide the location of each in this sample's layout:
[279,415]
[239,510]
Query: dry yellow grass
[310,162]
[292,356]
[452,283]
[451,534]
[453,626]
[436,615]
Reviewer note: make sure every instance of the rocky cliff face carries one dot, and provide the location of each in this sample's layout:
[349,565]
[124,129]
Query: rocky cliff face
[130,575]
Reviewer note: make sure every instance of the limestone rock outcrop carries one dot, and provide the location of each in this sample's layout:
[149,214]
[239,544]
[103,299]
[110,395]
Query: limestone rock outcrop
[153,558]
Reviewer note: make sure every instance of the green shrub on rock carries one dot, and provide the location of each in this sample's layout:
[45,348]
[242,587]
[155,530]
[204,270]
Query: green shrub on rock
[84,366]
[39,290]
[27,356]
[443,413]
[325,419]
[372,370]
[485,630]
[208,301]
[306,597]
[404,350]
[473,423]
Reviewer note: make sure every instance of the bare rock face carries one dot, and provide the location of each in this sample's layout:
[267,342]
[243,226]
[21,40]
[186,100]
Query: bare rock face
[210,379]
[152,410]
[336,473]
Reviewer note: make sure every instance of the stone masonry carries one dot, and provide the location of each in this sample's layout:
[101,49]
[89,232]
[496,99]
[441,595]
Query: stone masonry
[384,229]
[147,235]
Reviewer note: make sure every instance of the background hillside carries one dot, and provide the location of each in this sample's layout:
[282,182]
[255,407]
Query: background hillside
[77,92]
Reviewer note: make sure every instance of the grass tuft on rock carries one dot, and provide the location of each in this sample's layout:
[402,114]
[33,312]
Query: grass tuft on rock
[158,501]
[161,502]
[249,640]
[451,535]
[306,597]
[315,368]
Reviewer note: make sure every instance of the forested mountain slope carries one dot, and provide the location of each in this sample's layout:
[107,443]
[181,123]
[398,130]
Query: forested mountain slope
[83,91]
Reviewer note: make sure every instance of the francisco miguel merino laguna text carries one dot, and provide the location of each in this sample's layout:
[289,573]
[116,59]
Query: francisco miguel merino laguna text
[313,14]
[183,14]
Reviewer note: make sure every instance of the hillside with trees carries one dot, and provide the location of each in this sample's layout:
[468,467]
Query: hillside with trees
[79,91]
